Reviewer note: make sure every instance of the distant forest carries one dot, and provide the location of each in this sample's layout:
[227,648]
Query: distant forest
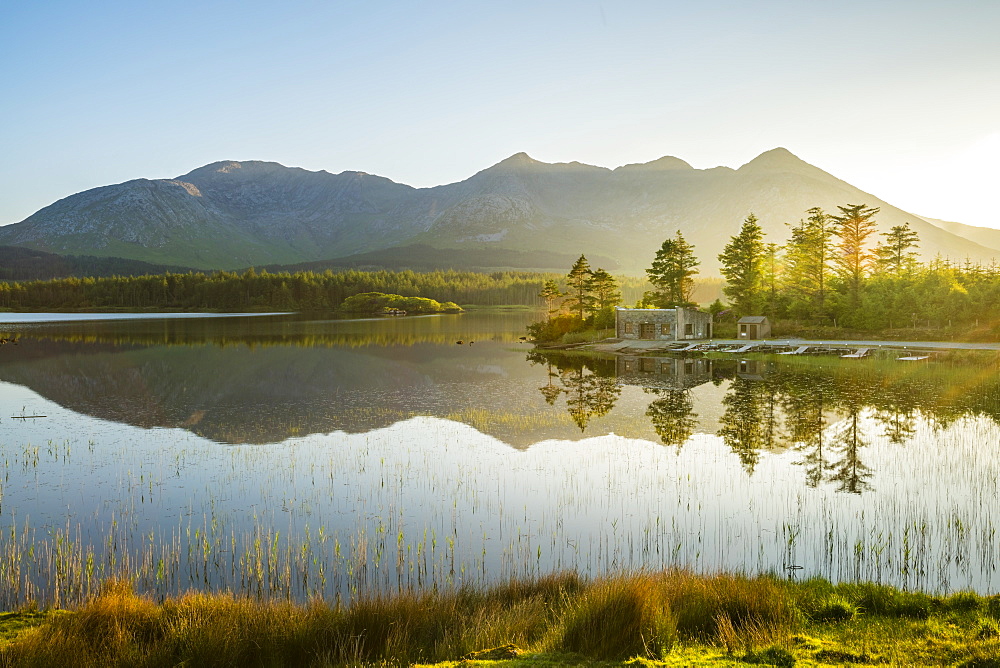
[300,291]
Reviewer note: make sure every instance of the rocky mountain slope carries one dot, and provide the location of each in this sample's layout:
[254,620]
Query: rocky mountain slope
[235,214]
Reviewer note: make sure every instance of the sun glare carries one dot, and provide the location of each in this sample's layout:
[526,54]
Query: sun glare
[959,187]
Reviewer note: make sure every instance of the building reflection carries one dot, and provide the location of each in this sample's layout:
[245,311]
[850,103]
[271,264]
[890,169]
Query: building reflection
[667,373]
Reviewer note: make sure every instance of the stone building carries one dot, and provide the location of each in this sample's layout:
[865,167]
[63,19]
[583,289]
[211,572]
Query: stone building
[663,324]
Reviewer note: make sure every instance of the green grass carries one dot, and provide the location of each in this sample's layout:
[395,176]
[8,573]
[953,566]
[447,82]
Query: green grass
[668,618]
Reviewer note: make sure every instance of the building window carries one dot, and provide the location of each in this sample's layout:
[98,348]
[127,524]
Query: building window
[628,328]
[689,329]
[665,328]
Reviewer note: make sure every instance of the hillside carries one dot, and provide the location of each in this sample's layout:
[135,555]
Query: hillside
[26,264]
[230,215]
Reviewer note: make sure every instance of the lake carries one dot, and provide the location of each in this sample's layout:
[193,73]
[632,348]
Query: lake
[296,455]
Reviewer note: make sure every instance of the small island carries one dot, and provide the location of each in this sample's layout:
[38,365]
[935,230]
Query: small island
[379,303]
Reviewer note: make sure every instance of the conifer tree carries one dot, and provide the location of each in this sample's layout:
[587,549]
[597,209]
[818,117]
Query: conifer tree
[896,255]
[743,268]
[605,290]
[854,225]
[672,274]
[807,263]
[580,300]
[550,293]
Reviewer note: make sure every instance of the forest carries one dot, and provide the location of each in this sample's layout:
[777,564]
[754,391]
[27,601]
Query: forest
[252,290]
[834,271]
[300,291]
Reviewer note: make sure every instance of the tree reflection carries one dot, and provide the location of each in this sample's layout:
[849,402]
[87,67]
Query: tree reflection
[550,391]
[804,402]
[849,471]
[824,410]
[589,385]
[672,415]
[748,424]
[588,395]
[898,412]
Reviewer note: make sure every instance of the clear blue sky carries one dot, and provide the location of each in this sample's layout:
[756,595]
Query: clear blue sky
[899,98]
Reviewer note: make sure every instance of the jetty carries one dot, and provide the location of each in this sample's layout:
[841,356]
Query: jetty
[857,349]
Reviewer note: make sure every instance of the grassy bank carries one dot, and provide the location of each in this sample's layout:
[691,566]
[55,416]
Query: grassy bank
[671,618]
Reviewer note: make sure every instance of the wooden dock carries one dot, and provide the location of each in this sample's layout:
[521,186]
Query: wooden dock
[910,351]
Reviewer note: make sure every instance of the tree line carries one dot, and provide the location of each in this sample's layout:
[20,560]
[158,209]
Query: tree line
[252,290]
[298,291]
[834,270]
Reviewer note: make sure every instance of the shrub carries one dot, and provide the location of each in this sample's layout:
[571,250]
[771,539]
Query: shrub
[553,329]
[835,609]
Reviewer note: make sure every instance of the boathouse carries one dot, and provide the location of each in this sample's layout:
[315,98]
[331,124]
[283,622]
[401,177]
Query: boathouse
[663,324]
[754,327]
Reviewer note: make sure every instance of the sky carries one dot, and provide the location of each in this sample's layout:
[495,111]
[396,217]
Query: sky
[901,99]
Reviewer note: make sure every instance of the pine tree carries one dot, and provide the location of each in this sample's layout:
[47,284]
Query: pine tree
[550,293]
[672,274]
[605,290]
[580,298]
[807,263]
[854,226]
[896,255]
[743,268]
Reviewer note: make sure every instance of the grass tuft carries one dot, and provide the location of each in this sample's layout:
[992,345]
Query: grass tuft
[835,609]
[619,618]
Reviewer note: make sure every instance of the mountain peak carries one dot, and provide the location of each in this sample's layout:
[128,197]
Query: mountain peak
[520,159]
[665,164]
[776,158]
[245,168]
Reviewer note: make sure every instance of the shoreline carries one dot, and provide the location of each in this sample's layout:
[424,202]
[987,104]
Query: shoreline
[647,618]
[639,346]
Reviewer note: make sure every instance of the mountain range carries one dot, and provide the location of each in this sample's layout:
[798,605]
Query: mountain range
[230,215]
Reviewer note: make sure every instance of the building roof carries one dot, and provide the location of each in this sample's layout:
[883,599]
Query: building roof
[752,320]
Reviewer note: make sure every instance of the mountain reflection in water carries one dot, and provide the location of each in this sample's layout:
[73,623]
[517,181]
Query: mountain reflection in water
[264,380]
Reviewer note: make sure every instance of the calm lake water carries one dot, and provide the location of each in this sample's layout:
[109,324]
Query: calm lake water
[305,455]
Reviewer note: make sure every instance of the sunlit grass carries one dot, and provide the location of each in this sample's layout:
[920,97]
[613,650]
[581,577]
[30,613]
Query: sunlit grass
[672,617]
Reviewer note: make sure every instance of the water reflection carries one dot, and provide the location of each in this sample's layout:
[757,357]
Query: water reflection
[818,408]
[266,379]
[672,415]
[856,470]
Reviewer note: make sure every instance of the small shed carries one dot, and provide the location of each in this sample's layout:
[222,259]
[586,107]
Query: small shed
[753,327]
